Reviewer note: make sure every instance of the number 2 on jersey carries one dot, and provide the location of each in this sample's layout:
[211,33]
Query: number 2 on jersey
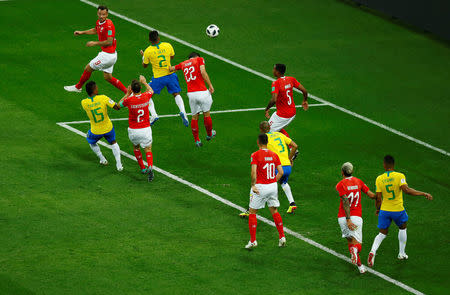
[188,74]
[270,170]
[163,59]
[139,117]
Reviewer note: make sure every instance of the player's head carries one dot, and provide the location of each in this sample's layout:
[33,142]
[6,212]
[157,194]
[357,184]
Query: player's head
[102,13]
[279,70]
[262,140]
[91,88]
[347,169]
[193,54]
[153,36]
[264,127]
[388,162]
[135,86]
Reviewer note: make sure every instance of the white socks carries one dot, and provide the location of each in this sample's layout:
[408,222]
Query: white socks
[402,240]
[377,242]
[180,103]
[287,190]
[116,152]
[96,149]
[151,108]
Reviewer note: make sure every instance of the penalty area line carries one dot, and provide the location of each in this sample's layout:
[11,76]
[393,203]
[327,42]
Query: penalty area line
[261,218]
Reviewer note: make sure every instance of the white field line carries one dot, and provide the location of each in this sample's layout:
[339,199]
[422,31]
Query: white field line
[212,112]
[373,122]
[261,218]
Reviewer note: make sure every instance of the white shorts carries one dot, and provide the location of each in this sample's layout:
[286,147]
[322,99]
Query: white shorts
[104,62]
[347,233]
[200,101]
[277,123]
[268,193]
[142,136]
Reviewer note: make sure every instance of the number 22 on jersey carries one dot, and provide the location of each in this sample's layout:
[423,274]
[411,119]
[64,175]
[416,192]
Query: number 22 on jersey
[188,74]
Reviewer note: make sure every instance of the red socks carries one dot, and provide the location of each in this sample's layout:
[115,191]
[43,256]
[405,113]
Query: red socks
[208,125]
[138,155]
[194,127]
[149,156]
[279,224]
[252,222]
[285,132]
[86,75]
[118,84]
[358,248]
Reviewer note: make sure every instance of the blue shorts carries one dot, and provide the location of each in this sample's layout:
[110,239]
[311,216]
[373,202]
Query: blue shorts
[169,81]
[385,218]
[286,172]
[93,138]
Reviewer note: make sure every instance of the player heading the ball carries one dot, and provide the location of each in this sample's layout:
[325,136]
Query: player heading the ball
[200,99]
[107,58]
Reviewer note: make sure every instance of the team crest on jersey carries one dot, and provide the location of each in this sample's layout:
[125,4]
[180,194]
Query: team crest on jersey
[287,86]
[273,88]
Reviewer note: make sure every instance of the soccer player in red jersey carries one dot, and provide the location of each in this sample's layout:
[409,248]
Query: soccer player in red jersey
[106,59]
[265,189]
[139,130]
[282,96]
[200,99]
[350,211]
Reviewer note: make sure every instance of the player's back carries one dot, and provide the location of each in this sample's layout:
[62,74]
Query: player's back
[192,73]
[351,187]
[285,101]
[96,110]
[159,55]
[278,143]
[389,184]
[138,112]
[266,163]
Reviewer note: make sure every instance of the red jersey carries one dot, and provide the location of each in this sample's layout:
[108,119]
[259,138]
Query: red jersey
[266,163]
[138,114]
[192,74]
[285,102]
[105,30]
[352,187]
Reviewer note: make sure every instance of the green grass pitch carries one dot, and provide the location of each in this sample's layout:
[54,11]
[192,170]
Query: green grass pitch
[69,226]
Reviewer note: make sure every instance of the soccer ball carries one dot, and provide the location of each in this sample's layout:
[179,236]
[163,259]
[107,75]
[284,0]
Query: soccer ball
[212,31]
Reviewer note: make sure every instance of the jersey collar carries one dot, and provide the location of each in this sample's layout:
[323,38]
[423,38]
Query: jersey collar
[349,177]
[157,44]
[92,97]
[390,171]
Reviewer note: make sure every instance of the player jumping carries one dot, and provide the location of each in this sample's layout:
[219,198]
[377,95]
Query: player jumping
[278,143]
[106,59]
[159,54]
[350,211]
[101,126]
[200,99]
[390,188]
[282,96]
[139,130]
[265,189]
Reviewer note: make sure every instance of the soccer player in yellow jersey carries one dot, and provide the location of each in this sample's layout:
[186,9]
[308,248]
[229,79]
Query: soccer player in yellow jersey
[390,188]
[159,55]
[101,126]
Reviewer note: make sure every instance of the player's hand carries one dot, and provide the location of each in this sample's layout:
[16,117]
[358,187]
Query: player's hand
[211,89]
[267,114]
[377,212]
[255,190]
[428,196]
[141,52]
[91,43]
[129,90]
[305,105]
[76,33]
[142,79]
[351,225]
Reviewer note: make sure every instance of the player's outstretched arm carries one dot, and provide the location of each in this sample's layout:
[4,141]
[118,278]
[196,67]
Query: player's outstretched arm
[253,175]
[144,81]
[346,206]
[107,42]
[271,103]
[87,32]
[206,78]
[371,194]
[293,147]
[410,191]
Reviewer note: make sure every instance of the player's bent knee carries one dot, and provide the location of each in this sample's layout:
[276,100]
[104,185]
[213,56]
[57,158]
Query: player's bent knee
[403,226]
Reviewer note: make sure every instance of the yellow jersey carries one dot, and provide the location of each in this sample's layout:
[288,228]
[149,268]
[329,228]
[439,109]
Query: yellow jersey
[96,109]
[278,143]
[388,184]
[159,56]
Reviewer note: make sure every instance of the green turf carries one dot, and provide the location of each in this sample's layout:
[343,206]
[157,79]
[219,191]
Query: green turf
[69,226]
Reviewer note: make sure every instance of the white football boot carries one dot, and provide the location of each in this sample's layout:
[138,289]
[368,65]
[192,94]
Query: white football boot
[251,245]
[361,268]
[371,259]
[402,256]
[72,88]
[282,242]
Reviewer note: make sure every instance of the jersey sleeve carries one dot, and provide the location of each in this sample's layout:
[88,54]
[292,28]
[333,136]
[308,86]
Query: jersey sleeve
[295,82]
[110,30]
[340,189]
[178,67]
[253,160]
[286,139]
[364,187]
[275,87]
[401,180]
[125,102]
[171,51]
[146,57]
[277,160]
[109,102]
[201,61]
[378,185]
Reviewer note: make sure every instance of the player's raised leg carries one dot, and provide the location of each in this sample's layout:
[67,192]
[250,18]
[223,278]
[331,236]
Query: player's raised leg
[114,81]
[84,77]
[180,104]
